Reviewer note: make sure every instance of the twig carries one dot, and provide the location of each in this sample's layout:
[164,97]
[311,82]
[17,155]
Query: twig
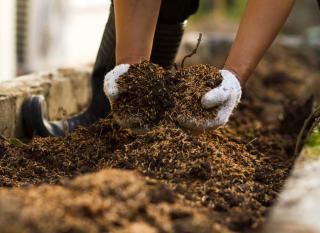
[13,141]
[175,66]
[63,115]
[3,138]
[194,51]
[309,125]
[251,141]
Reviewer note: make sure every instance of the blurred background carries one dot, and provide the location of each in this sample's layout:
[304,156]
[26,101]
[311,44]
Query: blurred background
[37,35]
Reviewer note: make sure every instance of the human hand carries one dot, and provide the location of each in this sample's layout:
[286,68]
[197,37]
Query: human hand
[110,86]
[111,89]
[226,97]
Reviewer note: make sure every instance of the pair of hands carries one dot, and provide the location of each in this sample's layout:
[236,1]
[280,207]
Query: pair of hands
[226,97]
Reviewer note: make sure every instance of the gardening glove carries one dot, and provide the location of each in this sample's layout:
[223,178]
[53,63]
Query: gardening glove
[111,90]
[110,86]
[226,97]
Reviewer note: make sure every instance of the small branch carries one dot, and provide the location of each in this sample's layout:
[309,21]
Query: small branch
[3,138]
[63,115]
[309,125]
[194,51]
[13,141]
[251,141]
[175,66]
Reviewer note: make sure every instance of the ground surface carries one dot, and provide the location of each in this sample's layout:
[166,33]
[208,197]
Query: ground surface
[220,181]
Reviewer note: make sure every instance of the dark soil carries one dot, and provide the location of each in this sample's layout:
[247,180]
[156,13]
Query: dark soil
[149,94]
[144,97]
[235,172]
[220,181]
[191,84]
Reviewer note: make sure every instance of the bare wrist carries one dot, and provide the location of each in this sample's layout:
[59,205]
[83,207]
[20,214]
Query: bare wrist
[131,59]
[241,78]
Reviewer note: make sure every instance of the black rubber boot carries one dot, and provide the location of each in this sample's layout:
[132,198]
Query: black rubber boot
[34,109]
[166,43]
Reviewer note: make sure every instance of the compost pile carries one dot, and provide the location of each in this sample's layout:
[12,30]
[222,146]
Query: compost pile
[149,94]
[219,181]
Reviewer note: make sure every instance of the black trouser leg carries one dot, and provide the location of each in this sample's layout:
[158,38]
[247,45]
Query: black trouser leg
[105,62]
[167,39]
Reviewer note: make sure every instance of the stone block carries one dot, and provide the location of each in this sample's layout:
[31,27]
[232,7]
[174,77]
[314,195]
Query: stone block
[69,90]
[7,116]
[297,209]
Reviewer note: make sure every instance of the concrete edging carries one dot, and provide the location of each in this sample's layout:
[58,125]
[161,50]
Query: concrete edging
[67,88]
[297,209]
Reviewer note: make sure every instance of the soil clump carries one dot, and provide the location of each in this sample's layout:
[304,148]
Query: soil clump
[144,95]
[149,94]
[107,201]
[191,84]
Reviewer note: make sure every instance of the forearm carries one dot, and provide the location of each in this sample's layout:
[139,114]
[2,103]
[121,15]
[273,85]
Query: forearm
[260,24]
[135,27]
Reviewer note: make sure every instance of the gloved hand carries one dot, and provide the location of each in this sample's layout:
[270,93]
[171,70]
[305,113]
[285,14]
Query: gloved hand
[110,86]
[226,97]
[111,90]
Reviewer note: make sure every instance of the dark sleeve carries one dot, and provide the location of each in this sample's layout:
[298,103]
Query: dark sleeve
[177,11]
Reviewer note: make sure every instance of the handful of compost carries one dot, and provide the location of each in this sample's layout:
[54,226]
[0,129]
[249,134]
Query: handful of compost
[198,97]
[205,97]
[139,94]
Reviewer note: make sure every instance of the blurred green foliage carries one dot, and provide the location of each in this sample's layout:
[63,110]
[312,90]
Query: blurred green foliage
[314,140]
[205,8]
[235,8]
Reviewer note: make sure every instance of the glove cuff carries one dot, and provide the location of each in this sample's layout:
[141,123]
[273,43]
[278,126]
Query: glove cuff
[231,77]
[110,86]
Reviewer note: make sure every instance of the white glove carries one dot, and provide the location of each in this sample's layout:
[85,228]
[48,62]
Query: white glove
[111,90]
[110,86]
[227,96]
